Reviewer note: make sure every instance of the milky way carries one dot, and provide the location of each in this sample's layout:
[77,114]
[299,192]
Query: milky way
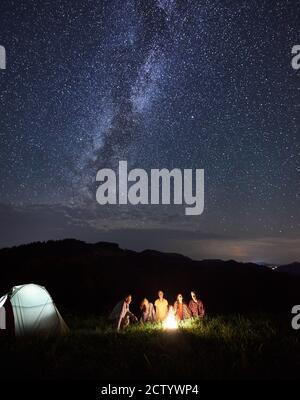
[165,83]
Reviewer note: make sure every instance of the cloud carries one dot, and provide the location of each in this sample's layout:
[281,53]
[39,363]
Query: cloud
[24,224]
[274,250]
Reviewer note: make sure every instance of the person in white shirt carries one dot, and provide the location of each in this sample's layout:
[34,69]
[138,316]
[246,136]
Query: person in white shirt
[121,313]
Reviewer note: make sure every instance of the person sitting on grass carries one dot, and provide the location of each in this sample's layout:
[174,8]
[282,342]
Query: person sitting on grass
[121,315]
[161,307]
[148,312]
[196,306]
[181,310]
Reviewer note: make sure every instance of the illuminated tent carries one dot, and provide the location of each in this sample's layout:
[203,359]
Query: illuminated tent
[29,310]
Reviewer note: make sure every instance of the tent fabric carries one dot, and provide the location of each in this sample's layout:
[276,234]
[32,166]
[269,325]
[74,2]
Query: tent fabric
[3,312]
[34,311]
[3,300]
[2,318]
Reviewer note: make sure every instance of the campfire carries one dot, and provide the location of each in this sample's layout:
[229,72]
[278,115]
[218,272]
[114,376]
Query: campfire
[170,322]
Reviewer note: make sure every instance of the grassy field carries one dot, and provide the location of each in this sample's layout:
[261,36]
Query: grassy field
[214,348]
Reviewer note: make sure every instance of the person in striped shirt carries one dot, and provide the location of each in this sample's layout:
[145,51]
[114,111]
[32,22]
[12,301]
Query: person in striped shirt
[196,306]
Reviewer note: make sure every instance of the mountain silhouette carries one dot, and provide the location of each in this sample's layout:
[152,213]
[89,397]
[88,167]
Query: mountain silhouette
[92,277]
[293,268]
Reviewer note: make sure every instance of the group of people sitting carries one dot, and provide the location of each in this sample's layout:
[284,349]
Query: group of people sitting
[121,315]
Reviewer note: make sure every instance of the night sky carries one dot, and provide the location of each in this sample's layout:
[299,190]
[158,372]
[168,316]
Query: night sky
[161,84]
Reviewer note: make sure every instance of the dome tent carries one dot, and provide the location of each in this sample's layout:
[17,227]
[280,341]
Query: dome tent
[29,310]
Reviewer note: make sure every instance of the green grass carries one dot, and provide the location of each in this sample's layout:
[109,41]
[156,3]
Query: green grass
[232,347]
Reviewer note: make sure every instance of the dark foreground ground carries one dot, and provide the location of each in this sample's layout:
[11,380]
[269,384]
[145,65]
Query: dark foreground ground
[215,348]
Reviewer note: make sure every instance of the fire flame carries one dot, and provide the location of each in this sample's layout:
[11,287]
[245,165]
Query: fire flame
[170,322]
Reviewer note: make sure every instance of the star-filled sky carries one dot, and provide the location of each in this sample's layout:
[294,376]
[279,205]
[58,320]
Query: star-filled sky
[161,84]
